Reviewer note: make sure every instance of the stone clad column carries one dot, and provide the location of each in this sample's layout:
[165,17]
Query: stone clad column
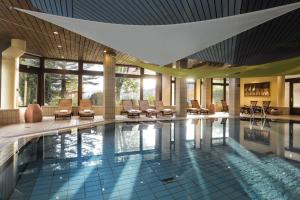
[109,63]
[9,73]
[234,97]
[206,92]
[280,92]
[181,91]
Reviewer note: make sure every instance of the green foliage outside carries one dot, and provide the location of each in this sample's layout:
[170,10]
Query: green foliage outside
[27,88]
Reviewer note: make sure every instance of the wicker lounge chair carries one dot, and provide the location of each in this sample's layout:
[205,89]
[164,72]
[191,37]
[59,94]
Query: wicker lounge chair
[64,109]
[128,109]
[145,108]
[159,105]
[196,108]
[85,108]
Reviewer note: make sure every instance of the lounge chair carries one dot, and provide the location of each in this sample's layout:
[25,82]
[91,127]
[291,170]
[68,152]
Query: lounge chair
[224,106]
[196,108]
[253,108]
[85,108]
[159,106]
[128,109]
[265,108]
[145,108]
[64,109]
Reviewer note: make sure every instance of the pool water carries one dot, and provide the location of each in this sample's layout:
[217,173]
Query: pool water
[188,159]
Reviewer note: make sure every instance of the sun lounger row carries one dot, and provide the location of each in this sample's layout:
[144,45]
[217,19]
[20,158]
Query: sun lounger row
[65,109]
[85,109]
[145,109]
[196,108]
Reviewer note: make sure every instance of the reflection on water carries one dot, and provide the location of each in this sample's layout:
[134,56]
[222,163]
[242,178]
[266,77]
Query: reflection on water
[247,148]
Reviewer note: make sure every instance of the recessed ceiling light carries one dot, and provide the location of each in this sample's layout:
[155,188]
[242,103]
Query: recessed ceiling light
[59,46]
[55,33]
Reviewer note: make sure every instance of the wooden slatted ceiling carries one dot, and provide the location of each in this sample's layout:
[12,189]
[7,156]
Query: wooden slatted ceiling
[41,40]
[274,40]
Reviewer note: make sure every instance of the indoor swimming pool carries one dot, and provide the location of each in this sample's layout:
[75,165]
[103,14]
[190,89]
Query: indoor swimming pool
[181,159]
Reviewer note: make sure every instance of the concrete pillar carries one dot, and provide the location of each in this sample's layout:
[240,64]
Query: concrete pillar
[9,73]
[198,90]
[206,92]
[4,44]
[109,63]
[166,89]
[181,91]
[280,91]
[234,97]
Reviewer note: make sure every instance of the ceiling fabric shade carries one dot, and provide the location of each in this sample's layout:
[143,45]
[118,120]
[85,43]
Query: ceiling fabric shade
[164,44]
[284,67]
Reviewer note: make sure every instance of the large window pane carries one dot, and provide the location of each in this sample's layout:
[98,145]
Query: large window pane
[190,92]
[149,72]
[92,67]
[127,88]
[60,64]
[60,86]
[287,94]
[30,61]
[227,94]
[218,80]
[127,70]
[217,93]
[296,95]
[149,89]
[92,88]
[27,88]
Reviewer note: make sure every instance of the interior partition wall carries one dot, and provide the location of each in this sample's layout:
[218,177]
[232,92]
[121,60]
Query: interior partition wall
[45,81]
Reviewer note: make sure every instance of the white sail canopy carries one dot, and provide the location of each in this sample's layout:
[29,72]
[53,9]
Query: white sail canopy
[164,44]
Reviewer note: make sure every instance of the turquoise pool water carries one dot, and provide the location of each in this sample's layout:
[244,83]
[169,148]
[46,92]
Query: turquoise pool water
[190,159]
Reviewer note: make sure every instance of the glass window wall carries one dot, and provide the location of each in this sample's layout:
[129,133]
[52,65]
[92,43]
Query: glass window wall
[149,90]
[61,80]
[92,88]
[27,88]
[61,64]
[127,89]
[93,67]
[61,86]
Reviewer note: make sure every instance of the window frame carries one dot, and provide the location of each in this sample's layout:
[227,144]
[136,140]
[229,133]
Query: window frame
[224,84]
